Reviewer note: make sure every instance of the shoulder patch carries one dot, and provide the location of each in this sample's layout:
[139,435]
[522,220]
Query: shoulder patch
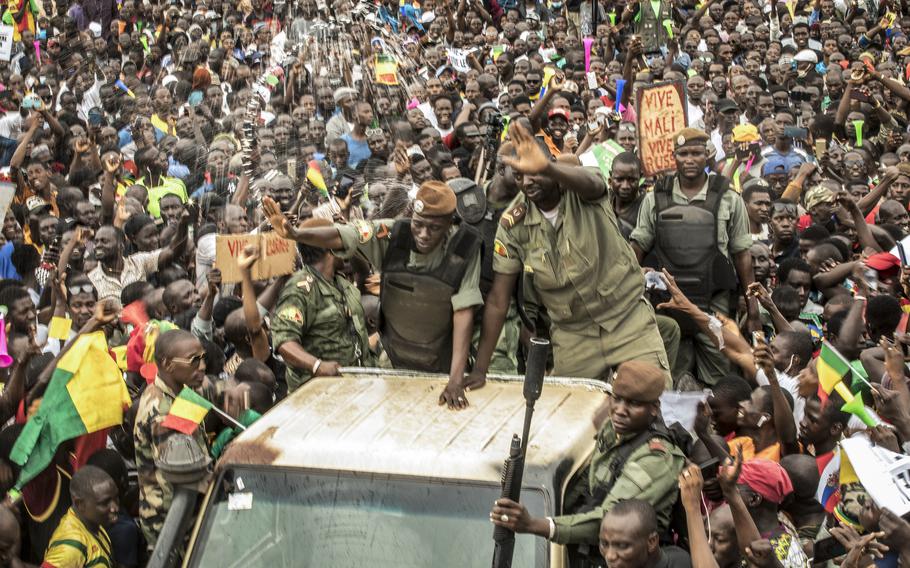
[513,216]
[291,314]
[383,231]
[500,249]
[657,445]
[364,230]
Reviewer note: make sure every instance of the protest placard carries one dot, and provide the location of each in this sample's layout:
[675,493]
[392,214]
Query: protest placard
[458,59]
[661,114]
[276,255]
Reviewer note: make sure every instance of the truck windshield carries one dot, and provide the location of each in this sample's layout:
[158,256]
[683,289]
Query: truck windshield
[277,517]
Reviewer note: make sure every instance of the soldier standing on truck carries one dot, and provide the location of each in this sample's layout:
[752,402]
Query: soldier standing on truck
[636,457]
[430,280]
[561,236]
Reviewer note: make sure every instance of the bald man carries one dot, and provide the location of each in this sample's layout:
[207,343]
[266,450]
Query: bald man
[80,539]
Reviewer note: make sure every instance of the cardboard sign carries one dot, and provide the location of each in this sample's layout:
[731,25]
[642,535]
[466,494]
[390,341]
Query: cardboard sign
[661,114]
[6,43]
[276,255]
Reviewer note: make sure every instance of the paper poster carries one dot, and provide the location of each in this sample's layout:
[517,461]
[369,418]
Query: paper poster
[458,58]
[885,475]
[661,114]
[6,43]
[276,255]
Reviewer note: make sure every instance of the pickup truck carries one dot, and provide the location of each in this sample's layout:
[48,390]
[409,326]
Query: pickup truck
[368,470]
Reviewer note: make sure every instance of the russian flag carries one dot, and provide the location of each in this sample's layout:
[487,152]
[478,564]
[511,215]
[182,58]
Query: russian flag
[828,493]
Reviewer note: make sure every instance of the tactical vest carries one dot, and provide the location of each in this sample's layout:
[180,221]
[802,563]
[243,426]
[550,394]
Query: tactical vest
[686,242]
[651,27]
[416,306]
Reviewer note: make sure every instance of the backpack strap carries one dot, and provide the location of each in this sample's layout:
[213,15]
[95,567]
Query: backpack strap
[717,186]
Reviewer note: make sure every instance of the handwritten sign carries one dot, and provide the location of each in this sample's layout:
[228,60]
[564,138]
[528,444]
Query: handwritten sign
[661,114]
[276,255]
[458,59]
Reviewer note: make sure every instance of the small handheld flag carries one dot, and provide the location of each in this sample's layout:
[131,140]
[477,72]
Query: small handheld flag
[314,176]
[187,412]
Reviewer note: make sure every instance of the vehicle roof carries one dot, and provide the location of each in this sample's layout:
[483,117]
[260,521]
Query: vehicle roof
[381,421]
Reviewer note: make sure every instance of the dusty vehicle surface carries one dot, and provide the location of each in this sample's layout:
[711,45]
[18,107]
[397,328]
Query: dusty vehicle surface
[368,470]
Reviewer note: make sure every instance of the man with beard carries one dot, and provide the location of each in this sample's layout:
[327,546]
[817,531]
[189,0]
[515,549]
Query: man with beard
[114,271]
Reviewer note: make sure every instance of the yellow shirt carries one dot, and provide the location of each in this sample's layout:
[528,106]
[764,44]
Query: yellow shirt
[74,546]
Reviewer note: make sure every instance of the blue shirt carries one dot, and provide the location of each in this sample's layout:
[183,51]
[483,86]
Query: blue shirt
[359,150]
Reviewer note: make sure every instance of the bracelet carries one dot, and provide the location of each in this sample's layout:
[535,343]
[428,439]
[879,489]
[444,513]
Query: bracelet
[316,366]
[552,528]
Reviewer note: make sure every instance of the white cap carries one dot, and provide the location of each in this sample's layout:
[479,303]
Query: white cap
[95,28]
[806,56]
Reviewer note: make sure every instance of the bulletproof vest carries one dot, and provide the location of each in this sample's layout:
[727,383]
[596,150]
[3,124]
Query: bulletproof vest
[686,242]
[416,306]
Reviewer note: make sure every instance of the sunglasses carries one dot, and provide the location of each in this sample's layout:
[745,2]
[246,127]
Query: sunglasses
[81,289]
[371,132]
[193,361]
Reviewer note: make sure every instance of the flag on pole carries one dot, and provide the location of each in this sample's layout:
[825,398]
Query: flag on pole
[187,412]
[832,367]
[86,394]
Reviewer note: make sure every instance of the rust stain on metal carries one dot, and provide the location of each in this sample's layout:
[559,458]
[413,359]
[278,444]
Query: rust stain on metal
[255,451]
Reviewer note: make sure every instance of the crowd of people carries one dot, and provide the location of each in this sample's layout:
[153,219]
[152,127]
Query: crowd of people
[458,177]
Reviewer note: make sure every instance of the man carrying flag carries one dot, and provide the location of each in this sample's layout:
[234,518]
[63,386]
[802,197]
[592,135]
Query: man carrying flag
[168,407]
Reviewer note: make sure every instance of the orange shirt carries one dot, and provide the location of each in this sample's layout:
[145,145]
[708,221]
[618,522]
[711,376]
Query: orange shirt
[745,443]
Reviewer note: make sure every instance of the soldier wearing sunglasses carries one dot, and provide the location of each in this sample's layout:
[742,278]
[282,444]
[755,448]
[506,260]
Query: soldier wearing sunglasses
[180,358]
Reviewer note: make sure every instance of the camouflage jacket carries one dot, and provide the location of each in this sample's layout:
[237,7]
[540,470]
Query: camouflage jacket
[325,318]
[155,493]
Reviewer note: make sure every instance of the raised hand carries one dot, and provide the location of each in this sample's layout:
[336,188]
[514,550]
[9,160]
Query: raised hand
[530,158]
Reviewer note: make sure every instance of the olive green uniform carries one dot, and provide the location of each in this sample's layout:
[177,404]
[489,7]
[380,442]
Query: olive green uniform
[650,473]
[733,236]
[371,238]
[149,436]
[325,318]
[586,276]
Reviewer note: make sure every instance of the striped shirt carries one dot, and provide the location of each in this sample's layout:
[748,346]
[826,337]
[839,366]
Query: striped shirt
[74,546]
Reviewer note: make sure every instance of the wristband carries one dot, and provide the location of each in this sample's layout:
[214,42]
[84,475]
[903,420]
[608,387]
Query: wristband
[552,528]
[316,366]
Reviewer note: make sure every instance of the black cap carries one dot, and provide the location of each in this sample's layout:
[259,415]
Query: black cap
[724,105]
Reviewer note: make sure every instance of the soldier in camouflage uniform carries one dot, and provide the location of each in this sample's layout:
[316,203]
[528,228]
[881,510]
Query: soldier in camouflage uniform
[648,467]
[181,362]
[319,324]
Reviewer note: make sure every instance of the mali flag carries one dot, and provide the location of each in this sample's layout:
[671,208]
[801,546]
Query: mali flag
[188,410]
[86,394]
[314,176]
[832,367]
